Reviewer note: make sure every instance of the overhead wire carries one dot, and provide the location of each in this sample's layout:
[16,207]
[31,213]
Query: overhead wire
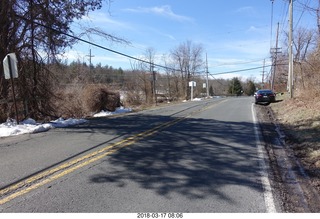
[284,20]
[97,45]
[304,8]
[239,63]
[126,55]
[241,70]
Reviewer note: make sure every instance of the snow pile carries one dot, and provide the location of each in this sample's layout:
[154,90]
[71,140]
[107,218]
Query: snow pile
[11,128]
[194,99]
[117,111]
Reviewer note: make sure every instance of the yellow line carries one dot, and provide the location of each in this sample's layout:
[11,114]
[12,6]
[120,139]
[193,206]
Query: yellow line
[52,171]
[94,157]
[52,178]
[73,162]
[87,159]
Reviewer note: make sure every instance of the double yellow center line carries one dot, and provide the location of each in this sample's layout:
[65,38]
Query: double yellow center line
[20,188]
[48,176]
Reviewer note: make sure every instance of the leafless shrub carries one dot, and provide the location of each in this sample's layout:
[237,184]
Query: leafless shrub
[133,99]
[99,97]
[70,102]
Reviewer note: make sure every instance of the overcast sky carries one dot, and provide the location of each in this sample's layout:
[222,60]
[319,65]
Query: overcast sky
[235,34]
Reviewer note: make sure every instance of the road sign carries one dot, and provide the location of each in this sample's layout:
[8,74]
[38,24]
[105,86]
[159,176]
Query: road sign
[10,66]
[10,72]
[192,83]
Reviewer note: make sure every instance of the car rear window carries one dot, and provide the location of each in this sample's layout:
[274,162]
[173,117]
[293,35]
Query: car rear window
[266,92]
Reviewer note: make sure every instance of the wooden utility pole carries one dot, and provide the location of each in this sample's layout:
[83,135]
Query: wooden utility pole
[207,72]
[290,73]
[275,60]
[90,56]
[272,1]
[263,71]
[153,82]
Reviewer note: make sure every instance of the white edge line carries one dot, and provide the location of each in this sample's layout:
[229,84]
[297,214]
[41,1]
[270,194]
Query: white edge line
[269,201]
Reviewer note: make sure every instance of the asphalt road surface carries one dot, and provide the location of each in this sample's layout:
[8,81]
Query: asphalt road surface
[193,157]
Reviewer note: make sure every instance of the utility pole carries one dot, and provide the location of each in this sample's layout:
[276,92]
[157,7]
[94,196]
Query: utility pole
[207,72]
[90,56]
[275,59]
[290,73]
[153,82]
[263,71]
[272,1]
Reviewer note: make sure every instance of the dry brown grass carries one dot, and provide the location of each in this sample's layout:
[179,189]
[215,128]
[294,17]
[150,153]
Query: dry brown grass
[298,111]
[300,118]
[70,102]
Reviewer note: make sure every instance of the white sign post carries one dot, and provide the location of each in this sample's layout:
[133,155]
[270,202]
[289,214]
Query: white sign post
[192,84]
[10,72]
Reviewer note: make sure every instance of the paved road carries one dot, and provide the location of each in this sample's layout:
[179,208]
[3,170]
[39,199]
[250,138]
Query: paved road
[193,157]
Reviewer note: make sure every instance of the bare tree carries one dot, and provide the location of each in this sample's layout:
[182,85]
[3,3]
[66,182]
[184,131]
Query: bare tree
[188,57]
[29,28]
[169,73]
[304,43]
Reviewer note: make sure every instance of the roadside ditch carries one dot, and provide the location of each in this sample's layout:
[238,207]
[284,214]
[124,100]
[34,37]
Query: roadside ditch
[296,188]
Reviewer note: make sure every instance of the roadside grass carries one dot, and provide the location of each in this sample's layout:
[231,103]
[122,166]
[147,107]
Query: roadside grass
[300,119]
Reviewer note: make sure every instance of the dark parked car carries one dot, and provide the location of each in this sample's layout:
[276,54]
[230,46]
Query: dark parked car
[264,96]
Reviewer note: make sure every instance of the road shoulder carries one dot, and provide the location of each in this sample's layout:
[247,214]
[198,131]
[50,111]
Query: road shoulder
[291,183]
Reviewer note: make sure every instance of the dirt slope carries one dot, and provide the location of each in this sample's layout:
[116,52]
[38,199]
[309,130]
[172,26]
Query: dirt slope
[300,120]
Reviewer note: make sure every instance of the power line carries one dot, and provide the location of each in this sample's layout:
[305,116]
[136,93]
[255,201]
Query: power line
[241,70]
[129,56]
[99,46]
[239,63]
[302,13]
[247,69]
[284,20]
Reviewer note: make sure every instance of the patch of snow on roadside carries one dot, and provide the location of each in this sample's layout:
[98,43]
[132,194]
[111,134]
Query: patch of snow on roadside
[119,110]
[28,126]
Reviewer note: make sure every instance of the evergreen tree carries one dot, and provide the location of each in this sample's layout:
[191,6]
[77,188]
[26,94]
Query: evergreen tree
[211,90]
[235,87]
[250,88]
